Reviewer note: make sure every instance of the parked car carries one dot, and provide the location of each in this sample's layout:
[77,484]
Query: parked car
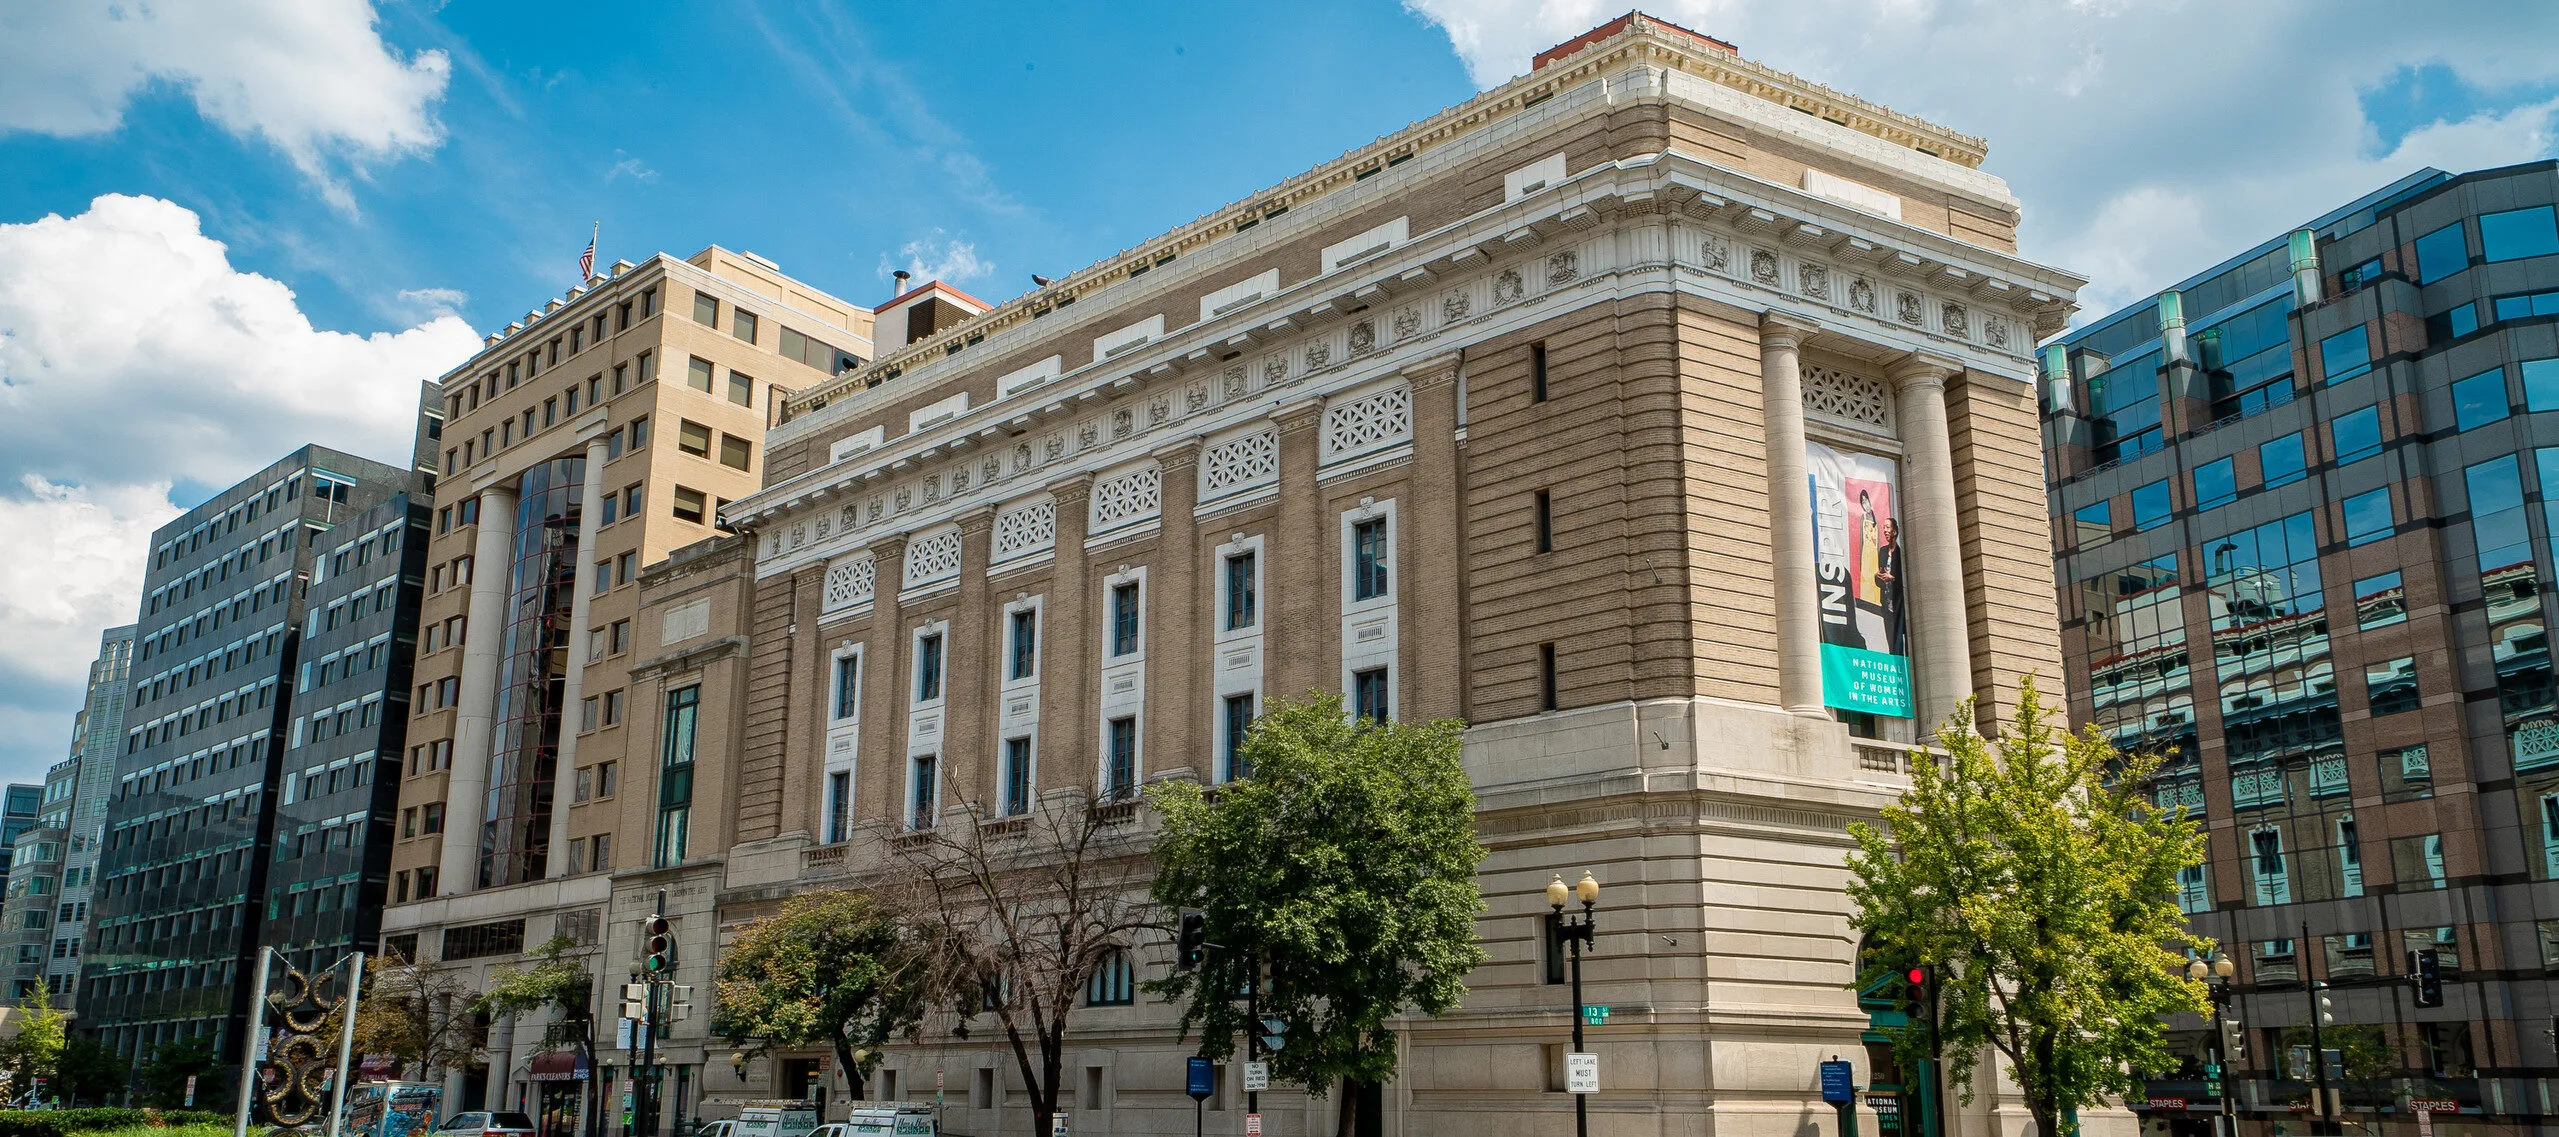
[723,1128]
[832,1129]
[484,1123]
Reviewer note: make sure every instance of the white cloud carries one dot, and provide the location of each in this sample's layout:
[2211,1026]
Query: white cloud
[938,256]
[632,168]
[429,302]
[312,77]
[2147,141]
[133,357]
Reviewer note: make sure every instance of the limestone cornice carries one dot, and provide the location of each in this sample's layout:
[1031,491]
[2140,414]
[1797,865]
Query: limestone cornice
[1638,59]
[1666,222]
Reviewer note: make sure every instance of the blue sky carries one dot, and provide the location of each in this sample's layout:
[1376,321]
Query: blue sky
[233,226]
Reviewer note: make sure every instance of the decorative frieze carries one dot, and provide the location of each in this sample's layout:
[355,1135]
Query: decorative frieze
[1127,498]
[850,583]
[1357,426]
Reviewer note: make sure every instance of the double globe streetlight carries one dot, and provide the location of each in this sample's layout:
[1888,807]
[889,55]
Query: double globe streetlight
[1575,933]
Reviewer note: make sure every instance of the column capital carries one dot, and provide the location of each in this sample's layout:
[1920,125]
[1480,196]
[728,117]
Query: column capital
[1076,488]
[1299,415]
[977,520]
[1781,330]
[1922,369]
[1182,455]
[1433,373]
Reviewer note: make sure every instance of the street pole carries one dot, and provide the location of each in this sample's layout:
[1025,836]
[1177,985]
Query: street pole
[1253,1028]
[1575,933]
[1581,1102]
[257,1027]
[346,1042]
[2318,1049]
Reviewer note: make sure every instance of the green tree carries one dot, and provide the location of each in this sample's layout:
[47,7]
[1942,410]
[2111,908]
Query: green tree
[90,1071]
[2039,878]
[36,1049]
[163,1077]
[1343,872]
[829,969]
[557,982]
[419,1015]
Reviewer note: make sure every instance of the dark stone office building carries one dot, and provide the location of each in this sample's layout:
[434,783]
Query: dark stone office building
[184,877]
[2303,549]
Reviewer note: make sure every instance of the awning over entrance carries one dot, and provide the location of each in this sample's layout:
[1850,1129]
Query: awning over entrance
[559,1066]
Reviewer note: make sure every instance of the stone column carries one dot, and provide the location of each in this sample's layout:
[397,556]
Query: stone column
[886,695]
[573,687]
[1177,607]
[475,712]
[1067,702]
[805,659]
[1299,552]
[977,651]
[1430,658]
[1942,629]
[1790,508]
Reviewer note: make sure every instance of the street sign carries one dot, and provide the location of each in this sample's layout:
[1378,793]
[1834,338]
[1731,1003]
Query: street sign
[1274,1033]
[2425,1123]
[1595,1015]
[2433,1105]
[2212,1069]
[1257,1077]
[190,1091]
[1252,1125]
[1201,1080]
[1581,1073]
[2167,1103]
[1057,1124]
[1839,1083]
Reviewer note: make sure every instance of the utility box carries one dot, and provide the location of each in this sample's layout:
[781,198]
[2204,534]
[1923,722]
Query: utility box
[778,1117]
[895,1119]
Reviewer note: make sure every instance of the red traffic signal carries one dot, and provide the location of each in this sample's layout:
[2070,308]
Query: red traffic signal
[1917,976]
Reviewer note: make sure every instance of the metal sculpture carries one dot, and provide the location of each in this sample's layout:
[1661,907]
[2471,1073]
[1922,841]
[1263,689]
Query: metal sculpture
[299,1077]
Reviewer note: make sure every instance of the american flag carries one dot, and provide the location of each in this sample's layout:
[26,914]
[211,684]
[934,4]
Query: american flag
[586,260]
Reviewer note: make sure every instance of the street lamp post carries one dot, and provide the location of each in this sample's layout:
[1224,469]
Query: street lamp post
[1575,933]
[2215,977]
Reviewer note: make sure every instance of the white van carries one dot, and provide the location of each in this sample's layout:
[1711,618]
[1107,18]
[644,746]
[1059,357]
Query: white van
[778,1117]
[894,1119]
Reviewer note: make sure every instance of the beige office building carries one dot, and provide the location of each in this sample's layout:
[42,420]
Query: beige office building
[582,443]
[1667,417]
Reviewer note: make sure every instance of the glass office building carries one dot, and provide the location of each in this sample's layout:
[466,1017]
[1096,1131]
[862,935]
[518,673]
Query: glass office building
[183,878]
[2301,544]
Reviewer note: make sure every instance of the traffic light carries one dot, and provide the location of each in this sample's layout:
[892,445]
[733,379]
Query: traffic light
[2327,1009]
[661,958]
[2425,968]
[679,1002]
[1192,948]
[1919,995]
[2234,1039]
[635,1001]
[1273,1032]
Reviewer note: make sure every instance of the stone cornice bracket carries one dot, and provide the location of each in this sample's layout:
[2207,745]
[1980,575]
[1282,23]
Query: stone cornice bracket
[977,520]
[1300,415]
[1783,330]
[1182,455]
[1922,369]
[1433,373]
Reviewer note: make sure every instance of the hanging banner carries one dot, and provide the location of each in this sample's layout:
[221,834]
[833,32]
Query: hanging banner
[1857,556]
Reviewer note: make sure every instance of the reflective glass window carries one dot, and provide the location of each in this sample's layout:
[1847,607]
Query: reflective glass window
[2479,400]
[2357,434]
[2441,254]
[2518,233]
[2368,516]
[2215,483]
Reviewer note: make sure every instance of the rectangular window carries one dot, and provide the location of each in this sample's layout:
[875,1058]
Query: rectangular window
[1124,616]
[2094,524]
[2480,399]
[646,365]
[693,438]
[2541,384]
[675,775]
[742,324]
[689,505]
[2356,434]
[928,667]
[1369,698]
[1368,559]
[1017,777]
[700,374]
[2345,354]
[2391,685]
[1537,372]
[2380,601]
[2150,505]
[839,806]
[848,690]
[1237,726]
[2441,254]
[736,453]
[922,787]
[1025,644]
[1546,700]
[2417,862]
[2215,484]
[741,389]
[1119,780]
[1545,523]
[1114,982]
[2497,527]
[2368,516]
[706,310]
[2518,233]
[1240,597]
[2280,460]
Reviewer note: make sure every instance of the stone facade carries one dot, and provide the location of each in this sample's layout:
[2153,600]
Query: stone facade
[1499,418]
